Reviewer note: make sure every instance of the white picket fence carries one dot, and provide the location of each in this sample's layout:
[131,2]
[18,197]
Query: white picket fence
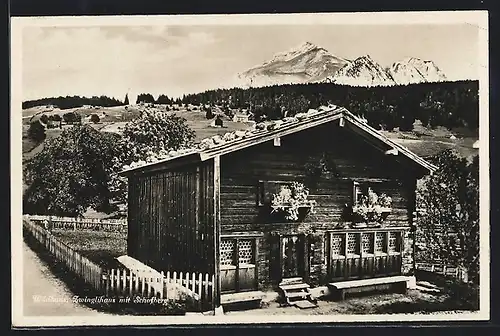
[72,223]
[445,270]
[169,285]
[84,268]
[126,283]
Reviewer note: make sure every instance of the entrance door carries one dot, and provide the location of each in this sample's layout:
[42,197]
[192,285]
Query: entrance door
[293,258]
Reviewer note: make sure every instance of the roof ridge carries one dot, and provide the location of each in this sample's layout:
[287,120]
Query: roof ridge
[229,138]
[220,143]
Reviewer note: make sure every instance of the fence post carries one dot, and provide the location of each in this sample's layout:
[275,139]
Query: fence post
[205,287]
[162,292]
[213,293]
[200,279]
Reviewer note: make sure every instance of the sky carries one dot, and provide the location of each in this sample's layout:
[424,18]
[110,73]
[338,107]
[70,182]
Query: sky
[181,59]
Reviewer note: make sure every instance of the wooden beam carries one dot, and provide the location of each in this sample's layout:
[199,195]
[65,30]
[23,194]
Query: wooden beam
[217,230]
[277,142]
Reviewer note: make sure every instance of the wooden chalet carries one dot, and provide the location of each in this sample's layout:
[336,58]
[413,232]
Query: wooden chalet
[209,209]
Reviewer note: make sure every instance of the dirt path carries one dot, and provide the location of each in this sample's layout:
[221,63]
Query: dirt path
[45,294]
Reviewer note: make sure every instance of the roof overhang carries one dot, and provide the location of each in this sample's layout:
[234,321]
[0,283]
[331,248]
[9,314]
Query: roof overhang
[374,137]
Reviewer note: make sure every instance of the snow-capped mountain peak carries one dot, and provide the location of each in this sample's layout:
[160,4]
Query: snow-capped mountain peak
[363,71]
[304,63]
[309,63]
[415,70]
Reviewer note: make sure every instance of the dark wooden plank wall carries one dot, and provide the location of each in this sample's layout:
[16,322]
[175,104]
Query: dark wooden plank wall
[353,158]
[171,217]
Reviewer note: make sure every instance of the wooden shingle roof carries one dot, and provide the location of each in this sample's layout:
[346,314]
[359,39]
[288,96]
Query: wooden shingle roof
[234,141]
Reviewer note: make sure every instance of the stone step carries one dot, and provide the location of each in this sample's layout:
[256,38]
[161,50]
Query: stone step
[294,286]
[297,294]
[304,304]
[291,281]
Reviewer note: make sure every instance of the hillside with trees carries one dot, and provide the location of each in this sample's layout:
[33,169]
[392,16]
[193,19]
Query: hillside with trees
[72,102]
[78,169]
[449,104]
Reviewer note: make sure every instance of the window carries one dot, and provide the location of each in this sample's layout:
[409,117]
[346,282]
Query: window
[337,245]
[245,251]
[380,242]
[394,242]
[352,243]
[266,189]
[357,192]
[367,243]
[227,252]
[237,251]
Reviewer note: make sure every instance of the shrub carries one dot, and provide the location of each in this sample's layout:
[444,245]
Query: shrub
[44,118]
[36,131]
[209,114]
[55,117]
[95,118]
[71,117]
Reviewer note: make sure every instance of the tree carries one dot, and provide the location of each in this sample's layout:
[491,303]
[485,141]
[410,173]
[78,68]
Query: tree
[55,117]
[95,118]
[36,131]
[44,119]
[449,227]
[209,114]
[154,131]
[145,98]
[151,133]
[71,117]
[125,101]
[163,99]
[71,173]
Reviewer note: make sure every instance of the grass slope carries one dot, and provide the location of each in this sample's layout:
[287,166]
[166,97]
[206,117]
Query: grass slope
[99,246]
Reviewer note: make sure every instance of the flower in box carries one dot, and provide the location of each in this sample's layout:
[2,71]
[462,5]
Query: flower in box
[290,199]
[372,207]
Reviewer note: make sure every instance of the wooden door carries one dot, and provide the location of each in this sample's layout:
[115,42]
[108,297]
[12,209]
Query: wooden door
[238,266]
[293,256]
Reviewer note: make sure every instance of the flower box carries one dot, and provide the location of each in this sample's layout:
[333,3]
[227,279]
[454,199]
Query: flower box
[371,208]
[292,201]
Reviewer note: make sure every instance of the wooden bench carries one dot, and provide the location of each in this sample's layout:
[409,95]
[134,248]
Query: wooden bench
[365,285]
[242,297]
